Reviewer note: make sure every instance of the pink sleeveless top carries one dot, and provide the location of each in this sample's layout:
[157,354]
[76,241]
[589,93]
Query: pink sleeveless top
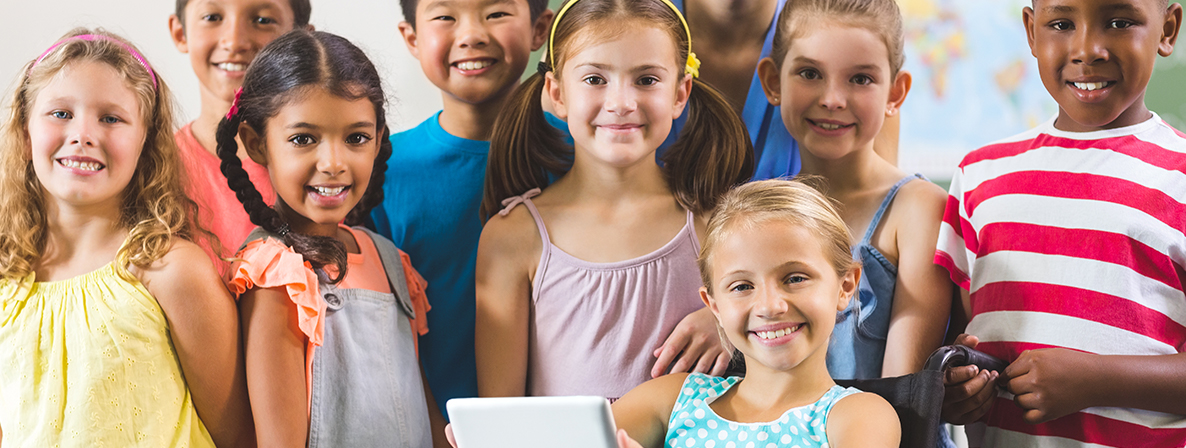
[595,325]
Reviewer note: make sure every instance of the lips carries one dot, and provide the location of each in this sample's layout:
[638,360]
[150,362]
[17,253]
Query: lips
[776,334]
[80,165]
[1092,89]
[474,65]
[620,128]
[232,68]
[829,127]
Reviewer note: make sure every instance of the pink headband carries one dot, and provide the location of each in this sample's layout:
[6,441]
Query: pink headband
[94,37]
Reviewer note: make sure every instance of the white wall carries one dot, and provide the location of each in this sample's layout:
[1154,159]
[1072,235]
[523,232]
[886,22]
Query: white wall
[31,26]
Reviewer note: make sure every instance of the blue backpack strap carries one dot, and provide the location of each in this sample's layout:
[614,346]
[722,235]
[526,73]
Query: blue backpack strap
[394,267]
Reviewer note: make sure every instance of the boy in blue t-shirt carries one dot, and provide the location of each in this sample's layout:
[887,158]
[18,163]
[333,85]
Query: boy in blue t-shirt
[475,51]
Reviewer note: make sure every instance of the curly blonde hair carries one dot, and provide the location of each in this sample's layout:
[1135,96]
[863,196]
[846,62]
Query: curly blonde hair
[154,209]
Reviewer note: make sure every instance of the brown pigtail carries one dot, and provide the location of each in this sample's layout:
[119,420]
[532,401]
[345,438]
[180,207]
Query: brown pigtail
[712,154]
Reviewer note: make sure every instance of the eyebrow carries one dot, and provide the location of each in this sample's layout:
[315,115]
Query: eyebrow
[440,3]
[862,67]
[304,125]
[641,68]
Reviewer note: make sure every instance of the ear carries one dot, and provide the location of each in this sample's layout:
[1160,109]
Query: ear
[552,91]
[850,286]
[709,302]
[409,34]
[254,144]
[771,82]
[682,92]
[541,29]
[898,92]
[177,32]
[1027,19]
[1170,29]
[310,28]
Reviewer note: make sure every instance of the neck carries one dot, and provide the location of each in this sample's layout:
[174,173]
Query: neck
[729,22]
[473,121]
[591,181]
[766,388]
[300,224]
[93,232]
[853,172]
[206,125]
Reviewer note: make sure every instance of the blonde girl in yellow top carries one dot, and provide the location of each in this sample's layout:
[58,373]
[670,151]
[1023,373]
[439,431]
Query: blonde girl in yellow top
[115,329]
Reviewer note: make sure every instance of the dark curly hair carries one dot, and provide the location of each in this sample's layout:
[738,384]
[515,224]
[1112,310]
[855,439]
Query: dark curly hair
[281,71]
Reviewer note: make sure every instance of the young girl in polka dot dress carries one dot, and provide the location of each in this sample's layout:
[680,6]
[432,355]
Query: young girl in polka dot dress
[776,267]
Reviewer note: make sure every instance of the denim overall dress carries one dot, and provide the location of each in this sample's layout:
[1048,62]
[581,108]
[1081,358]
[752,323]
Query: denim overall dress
[367,388]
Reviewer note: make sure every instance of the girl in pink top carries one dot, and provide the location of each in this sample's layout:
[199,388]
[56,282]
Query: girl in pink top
[576,290]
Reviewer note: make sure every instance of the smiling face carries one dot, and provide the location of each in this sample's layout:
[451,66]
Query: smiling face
[835,87]
[474,50]
[86,131]
[320,150]
[620,98]
[776,293]
[1095,57]
[223,36]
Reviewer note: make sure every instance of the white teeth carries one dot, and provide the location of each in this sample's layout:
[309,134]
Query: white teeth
[329,191]
[474,65]
[829,126]
[232,67]
[87,166]
[777,334]
[1089,86]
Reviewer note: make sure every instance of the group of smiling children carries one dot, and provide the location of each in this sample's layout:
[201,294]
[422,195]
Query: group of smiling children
[607,221]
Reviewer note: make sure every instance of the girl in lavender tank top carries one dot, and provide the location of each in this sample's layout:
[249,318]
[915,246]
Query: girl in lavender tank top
[590,287]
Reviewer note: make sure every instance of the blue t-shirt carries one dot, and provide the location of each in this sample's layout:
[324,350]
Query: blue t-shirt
[776,153]
[431,198]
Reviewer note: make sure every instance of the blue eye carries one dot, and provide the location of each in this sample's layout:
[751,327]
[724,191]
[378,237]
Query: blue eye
[61,115]
[741,287]
[110,120]
[796,278]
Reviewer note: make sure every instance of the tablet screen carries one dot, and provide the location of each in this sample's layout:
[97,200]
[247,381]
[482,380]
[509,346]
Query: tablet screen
[532,422]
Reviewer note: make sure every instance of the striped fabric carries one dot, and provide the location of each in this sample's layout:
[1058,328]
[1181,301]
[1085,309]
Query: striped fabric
[1074,240]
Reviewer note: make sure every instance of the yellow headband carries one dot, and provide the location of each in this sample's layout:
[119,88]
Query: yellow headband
[691,67]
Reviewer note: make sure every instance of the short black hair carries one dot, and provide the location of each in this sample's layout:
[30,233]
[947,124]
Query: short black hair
[536,7]
[301,10]
[1165,4]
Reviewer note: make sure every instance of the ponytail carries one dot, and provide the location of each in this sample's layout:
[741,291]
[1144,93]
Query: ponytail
[712,154]
[524,148]
[319,251]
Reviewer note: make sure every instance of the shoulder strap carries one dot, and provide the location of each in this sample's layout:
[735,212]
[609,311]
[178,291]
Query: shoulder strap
[394,267]
[258,233]
[885,203]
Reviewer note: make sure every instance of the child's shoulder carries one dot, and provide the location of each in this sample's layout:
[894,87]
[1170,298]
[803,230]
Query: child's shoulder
[183,271]
[863,419]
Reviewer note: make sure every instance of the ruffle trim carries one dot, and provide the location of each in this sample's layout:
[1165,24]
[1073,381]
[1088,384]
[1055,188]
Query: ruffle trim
[267,263]
[416,288]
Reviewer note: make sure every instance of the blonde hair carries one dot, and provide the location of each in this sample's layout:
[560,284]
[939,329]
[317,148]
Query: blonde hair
[882,17]
[790,201]
[154,208]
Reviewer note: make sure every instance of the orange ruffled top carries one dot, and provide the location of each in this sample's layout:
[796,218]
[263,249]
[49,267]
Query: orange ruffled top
[269,263]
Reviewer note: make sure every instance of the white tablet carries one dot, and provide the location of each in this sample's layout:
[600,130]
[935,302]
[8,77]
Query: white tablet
[532,422]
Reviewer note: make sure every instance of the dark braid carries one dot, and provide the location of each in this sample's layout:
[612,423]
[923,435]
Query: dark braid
[299,59]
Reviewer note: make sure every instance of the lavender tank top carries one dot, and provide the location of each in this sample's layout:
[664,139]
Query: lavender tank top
[594,326]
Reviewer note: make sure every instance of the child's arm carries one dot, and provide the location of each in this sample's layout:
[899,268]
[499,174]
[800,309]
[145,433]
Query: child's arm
[694,346]
[1051,383]
[204,327]
[275,348]
[922,296]
[508,252]
[968,392]
[863,420]
[644,411]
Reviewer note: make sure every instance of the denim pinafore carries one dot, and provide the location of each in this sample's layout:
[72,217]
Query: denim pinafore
[857,347]
[367,388]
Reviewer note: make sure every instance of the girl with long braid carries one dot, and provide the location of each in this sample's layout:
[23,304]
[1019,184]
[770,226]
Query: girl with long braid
[328,311]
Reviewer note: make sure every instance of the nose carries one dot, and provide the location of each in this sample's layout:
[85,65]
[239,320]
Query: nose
[236,32]
[834,96]
[82,133]
[472,33]
[621,99]
[771,302]
[330,160]
[1088,46]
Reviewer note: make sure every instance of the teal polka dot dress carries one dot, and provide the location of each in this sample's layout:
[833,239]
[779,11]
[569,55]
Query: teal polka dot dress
[694,424]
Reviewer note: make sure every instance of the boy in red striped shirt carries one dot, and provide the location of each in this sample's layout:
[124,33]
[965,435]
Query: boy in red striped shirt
[1069,243]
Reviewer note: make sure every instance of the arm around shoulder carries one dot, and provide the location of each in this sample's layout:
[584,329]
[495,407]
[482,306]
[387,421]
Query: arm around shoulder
[204,327]
[508,252]
[863,420]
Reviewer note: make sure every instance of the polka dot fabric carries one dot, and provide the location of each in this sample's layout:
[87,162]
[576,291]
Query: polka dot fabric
[694,424]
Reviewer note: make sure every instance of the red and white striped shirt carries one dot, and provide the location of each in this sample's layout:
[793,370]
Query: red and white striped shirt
[1074,240]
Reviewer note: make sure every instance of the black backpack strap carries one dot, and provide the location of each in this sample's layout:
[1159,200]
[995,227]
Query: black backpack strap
[394,267]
